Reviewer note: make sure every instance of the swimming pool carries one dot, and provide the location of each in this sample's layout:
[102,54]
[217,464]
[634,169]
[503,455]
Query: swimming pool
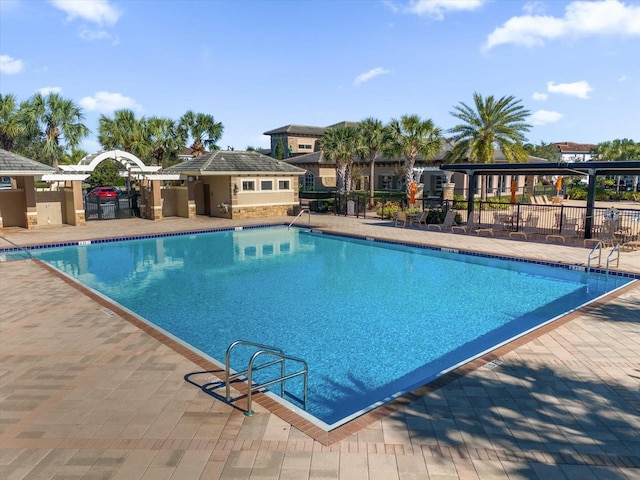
[372,319]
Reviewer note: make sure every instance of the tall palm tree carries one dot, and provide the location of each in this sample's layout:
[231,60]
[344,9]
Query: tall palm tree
[409,137]
[340,144]
[491,124]
[124,132]
[203,130]
[12,125]
[372,137]
[163,138]
[57,122]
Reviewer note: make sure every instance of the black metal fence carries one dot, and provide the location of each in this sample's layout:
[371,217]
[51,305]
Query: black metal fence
[111,208]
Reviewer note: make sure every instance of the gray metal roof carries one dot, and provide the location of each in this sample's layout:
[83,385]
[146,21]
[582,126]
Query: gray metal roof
[14,165]
[297,130]
[224,162]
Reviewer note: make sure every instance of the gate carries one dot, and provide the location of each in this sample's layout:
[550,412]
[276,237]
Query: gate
[109,208]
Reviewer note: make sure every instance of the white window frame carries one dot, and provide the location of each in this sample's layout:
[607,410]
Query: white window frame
[246,182]
[266,181]
[288,182]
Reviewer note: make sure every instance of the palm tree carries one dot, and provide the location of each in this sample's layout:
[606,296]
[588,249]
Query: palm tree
[409,137]
[372,136]
[203,129]
[492,124]
[618,150]
[124,132]
[57,122]
[340,144]
[12,125]
[163,138]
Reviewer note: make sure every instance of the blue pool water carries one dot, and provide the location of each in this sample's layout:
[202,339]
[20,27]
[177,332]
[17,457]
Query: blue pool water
[371,319]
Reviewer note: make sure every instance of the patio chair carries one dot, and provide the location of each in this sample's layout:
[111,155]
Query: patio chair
[422,218]
[473,223]
[448,222]
[568,230]
[530,227]
[401,217]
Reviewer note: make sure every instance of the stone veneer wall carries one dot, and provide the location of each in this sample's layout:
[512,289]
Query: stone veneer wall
[262,211]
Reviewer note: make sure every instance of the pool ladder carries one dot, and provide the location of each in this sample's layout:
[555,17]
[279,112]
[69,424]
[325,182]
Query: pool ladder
[278,357]
[299,214]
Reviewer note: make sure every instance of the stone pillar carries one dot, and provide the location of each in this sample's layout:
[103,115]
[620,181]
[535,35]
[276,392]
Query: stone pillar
[155,200]
[78,217]
[447,191]
[191,197]
[31,214]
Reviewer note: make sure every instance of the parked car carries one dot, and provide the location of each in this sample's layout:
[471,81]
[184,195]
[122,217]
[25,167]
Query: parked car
[104,192]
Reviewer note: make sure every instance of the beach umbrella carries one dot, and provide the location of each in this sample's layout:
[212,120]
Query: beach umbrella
[559,184]
[514,187]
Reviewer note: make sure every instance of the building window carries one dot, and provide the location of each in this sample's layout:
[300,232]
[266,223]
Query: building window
[248,186]
[304,146]
[266,185]
[284,185]
[386,182]
[309,182]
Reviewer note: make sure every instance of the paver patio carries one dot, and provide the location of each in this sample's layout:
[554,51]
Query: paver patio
[86,393]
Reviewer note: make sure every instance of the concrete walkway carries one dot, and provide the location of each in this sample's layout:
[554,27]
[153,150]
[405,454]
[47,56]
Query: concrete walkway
[86,392]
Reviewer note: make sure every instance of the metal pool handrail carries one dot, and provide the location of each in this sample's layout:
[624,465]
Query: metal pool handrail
[17,246]
[616,249]
[299,214]
[597,246]
[263,350]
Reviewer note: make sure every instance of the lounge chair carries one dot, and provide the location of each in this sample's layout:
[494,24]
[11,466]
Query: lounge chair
[568,230]
[473,223]
[401,217]
[530,227]
[448,222]
[422,218]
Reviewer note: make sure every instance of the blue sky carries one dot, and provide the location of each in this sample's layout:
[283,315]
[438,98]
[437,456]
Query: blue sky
[256,65]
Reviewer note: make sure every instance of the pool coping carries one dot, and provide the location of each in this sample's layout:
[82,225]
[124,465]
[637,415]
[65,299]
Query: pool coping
[351,427]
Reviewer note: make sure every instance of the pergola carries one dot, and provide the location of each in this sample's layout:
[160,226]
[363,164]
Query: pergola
[589,169]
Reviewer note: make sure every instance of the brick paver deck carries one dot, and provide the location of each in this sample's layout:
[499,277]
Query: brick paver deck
[86,392]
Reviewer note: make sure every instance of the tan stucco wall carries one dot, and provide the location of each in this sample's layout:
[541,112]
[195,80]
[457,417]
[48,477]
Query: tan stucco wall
[50,206]
[169,202]
[12,208]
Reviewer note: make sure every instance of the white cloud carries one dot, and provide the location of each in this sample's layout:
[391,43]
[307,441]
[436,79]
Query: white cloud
[581,18]
[624,78]
[539,96]
[89,34]
[543,117]
[10,65]
[48,90]
[535,7]
[437,8]
[95,11]
[576,89]
[107,102]
[365,77]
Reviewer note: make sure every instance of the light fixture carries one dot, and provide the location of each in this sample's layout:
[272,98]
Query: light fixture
[190,178]
[235,189]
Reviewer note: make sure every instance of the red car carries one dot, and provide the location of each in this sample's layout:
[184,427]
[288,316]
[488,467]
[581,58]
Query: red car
[104,192]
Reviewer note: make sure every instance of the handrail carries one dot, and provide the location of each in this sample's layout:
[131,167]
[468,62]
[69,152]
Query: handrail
[227,362]
[616,249]
[17,246]
[283,377]
[280,358]
[299,214]
[597,246]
